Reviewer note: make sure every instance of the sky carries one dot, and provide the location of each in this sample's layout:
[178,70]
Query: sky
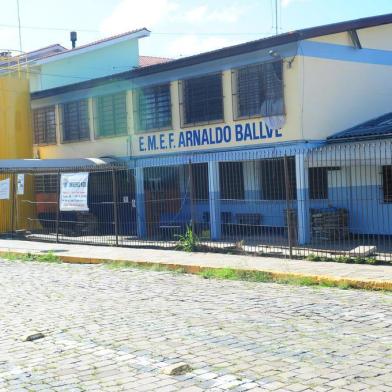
[178,28]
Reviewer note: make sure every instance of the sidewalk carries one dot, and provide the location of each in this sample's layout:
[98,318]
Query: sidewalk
[362,276]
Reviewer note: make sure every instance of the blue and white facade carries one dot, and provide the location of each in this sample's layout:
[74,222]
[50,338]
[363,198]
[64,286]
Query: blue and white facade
[239,135]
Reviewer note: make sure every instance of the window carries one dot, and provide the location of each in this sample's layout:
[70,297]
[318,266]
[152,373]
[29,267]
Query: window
[44,122]
[273,183]
[111,114]
[259,90]
[387,183]
[45,183]
[75,121]
[153,108]
[318,183]
[202,99]
[200,181]
[231,176]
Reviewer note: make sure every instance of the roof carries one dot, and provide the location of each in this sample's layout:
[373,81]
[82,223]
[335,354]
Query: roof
[139,33]
[33,55]
[264,43]
[146,61]
[47,165]
[377,128]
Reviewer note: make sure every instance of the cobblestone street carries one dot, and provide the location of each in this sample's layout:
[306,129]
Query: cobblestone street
[117,329]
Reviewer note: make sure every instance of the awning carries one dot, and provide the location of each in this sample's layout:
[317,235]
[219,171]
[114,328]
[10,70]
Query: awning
[50,165]
[376,128]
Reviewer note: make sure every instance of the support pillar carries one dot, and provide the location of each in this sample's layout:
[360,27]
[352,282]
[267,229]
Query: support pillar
[140,203]
[214,200]
[303,204]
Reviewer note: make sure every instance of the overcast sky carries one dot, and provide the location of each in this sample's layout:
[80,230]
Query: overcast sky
[179,28]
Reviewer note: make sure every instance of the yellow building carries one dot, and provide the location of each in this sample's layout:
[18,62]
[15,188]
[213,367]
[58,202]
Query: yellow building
[16,142]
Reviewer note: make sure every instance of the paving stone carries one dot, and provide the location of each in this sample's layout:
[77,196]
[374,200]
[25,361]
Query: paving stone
[116,330]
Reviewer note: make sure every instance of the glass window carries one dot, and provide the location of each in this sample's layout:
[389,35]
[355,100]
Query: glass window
[75,118]
[273,183]
[45,183]
[259,90]
[387,183]
[231,176]
[44,122]
[318,183]
[111,115]
[153,108]
[202,99]
[200,181]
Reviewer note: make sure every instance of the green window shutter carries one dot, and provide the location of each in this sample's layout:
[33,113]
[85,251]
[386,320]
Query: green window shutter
[112,115]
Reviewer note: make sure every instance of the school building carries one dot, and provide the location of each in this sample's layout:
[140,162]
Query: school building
[257,142]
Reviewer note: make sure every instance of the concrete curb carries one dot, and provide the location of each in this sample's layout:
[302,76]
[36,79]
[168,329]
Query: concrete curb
[364,284]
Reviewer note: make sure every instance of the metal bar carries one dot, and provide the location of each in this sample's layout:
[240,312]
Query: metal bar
[191,196]
[58,205]
[13,205]
[288,213]
[115,204]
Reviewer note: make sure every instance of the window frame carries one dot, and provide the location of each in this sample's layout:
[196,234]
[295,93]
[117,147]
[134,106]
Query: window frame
[200,182]
[282,189]
[223,181]
[45,110]
[136,109]
[324,179]
[182,101]
[62,121]
[386,197]
[45,183]
[235,90]
[97,120]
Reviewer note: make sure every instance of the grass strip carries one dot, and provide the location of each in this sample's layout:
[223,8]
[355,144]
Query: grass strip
[220,273]
[47,257]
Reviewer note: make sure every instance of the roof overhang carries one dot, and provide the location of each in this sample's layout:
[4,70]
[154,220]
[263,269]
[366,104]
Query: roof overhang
[59,165]
[91,47]
[223,53]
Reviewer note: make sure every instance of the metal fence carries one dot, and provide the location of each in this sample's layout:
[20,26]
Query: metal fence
[331,201]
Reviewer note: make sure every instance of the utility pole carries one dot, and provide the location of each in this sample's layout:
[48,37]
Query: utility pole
[19,27]
[276,17]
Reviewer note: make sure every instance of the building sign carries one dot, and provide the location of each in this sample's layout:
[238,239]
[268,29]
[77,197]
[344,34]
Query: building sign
[74,192]
[20,184]
[210,137]
[5,189]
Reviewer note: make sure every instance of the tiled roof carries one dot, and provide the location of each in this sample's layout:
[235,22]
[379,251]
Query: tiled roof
[379,127]
[146,61]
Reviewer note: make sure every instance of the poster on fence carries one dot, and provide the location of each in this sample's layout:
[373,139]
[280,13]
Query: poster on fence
[73,192]
[5,189]
[21,184]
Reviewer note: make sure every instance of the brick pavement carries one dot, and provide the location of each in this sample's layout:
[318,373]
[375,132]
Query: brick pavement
[115,330]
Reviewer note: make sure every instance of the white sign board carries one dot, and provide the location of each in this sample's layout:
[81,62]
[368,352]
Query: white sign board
[73,192]
[5,189]
[21,184]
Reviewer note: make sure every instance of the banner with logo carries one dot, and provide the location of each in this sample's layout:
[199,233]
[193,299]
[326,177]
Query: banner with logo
[73,192]
[5,189]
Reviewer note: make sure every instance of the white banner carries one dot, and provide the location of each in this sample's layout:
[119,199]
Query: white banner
[21,184]
[5,189]
[73,192]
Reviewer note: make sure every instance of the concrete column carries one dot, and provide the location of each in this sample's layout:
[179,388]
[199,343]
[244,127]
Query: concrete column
[140,203]
[214,199]
[303,204]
